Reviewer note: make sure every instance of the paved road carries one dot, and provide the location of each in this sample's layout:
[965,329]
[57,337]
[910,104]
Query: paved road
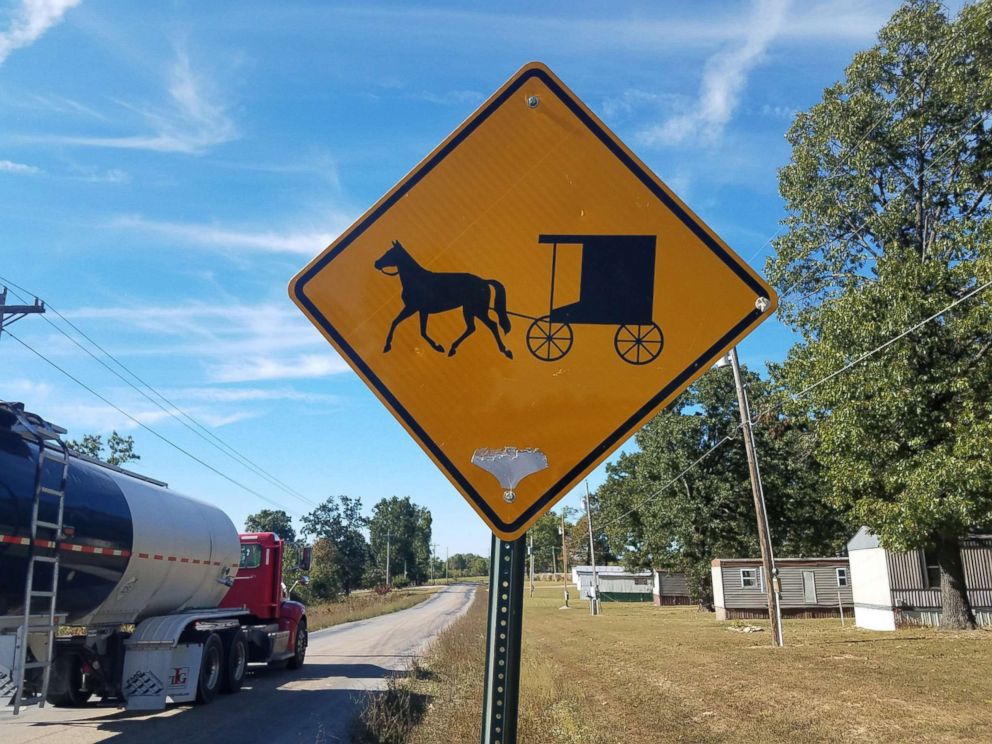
[313,705]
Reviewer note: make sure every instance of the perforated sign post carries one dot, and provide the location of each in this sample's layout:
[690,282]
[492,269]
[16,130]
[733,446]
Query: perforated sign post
[522,302]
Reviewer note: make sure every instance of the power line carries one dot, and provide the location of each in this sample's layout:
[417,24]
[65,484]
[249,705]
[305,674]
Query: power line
[805,391]
[225,449]
[144,426]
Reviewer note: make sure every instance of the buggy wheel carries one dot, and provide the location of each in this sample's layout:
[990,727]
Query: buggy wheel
[639,344]
[549,340]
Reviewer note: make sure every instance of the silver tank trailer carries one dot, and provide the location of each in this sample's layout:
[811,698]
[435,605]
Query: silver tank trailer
[133,548]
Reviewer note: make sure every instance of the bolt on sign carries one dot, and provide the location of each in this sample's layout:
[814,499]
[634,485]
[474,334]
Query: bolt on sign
[530,286]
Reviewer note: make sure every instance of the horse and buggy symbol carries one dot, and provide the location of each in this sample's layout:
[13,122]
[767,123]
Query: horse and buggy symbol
[616,289]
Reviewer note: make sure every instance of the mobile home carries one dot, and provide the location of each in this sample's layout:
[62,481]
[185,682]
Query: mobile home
[893,589]
[671,588]
[811,587]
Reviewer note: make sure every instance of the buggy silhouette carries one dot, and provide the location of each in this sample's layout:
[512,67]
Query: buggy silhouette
[616,288]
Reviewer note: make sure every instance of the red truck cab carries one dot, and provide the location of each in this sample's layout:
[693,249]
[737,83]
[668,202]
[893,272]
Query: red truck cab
[277,625]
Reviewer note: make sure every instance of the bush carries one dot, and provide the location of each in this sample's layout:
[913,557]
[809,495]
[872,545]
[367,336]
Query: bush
[401,582]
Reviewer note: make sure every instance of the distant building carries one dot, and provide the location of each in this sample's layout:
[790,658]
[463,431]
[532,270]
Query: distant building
[893,589]
[616,584]
[671,588]
[811,587]
[582,575]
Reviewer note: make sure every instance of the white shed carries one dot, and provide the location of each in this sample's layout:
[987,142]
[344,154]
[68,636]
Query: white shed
[892,589]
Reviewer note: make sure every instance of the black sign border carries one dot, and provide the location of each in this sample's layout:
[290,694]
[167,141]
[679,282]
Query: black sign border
[626,428]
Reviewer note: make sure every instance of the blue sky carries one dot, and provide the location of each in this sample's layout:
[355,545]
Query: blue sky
[166,168]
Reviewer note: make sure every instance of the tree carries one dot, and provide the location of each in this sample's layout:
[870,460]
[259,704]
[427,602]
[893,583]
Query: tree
[121,448]
[272,520]
[339,520]
[547,542]
[708,512]
[888,197]
[406,528]
[325,580]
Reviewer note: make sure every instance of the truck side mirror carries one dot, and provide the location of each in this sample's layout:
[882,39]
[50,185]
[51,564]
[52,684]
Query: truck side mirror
[305,555]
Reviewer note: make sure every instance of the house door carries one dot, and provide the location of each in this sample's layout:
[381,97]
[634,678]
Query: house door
[809,587]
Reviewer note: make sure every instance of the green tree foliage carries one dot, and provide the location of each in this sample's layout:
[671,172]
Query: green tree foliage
[709,512]
[408,529]
[325,578]
[546,536]
[888,197]
[462,565]
[578,539]
[339,521]
[121,449]
[272,520]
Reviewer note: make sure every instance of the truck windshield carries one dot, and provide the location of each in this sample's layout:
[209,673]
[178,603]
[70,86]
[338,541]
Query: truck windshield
[251,556]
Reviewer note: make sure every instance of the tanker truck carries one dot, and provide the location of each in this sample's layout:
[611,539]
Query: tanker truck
[112,585]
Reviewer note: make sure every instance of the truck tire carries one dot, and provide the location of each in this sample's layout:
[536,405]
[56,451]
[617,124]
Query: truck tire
[300,645]
[65,688]
[235,661]
[211,670]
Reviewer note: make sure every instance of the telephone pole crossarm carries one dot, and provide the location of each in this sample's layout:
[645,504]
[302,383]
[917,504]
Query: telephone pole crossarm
[12,313]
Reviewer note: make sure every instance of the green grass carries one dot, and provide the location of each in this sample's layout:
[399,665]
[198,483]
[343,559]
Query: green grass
[364,605]
[640,674]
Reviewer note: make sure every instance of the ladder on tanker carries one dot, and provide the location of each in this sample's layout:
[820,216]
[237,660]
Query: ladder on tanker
[41,585]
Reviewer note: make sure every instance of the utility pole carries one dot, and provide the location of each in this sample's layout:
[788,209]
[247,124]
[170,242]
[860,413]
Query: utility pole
[764,534]
[446,557]
[594,600]
[388,581]
[564,558]
[554,564]
[530,551]
[11,313]
[434,546]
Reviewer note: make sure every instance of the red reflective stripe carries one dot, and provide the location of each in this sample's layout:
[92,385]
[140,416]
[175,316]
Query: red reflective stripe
[67,546]
[158,557]
[184,560]
[142,555]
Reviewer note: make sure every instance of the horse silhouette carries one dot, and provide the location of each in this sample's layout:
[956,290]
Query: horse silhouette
[427,292]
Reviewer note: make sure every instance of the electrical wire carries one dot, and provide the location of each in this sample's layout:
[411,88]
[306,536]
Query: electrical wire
[199,431]
[805,391]
[144,426]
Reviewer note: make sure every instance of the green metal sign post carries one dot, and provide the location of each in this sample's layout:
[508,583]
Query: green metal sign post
[506,608]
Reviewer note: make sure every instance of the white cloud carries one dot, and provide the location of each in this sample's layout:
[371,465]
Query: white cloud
[724,79]
[242,394]
[232,342]
[307,243]
[254,369]
[8,166]
[30,21]
[193,121]
[450,98]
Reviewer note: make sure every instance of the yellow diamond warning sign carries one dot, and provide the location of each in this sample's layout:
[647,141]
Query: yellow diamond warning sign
[530,286]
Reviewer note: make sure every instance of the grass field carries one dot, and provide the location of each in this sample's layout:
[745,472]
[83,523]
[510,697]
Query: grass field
[360,606]
[640,674]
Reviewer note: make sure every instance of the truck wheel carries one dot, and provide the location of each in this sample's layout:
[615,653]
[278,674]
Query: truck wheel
[235,661]
[65,688]
[211,670]
[302,638]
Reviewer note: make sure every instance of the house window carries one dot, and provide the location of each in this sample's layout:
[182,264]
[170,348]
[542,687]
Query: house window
[931,570]
[841,577]
[642,580]
[749,578]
